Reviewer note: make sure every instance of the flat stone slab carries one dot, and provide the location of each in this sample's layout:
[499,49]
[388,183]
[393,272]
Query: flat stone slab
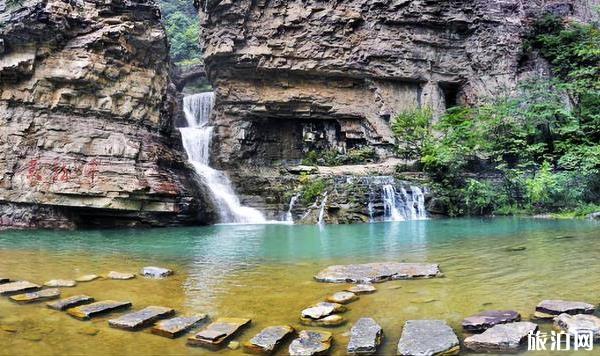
[311,342]
[428,337]
[88,311]
[501,338]
[18,288]
[60,283]
[156,272]
[175,327]
[87,278]
[141,318]
[365,337]
[268,340]
[216,334]
[342,297]
[331,320]
[120,276]
[377,272]
[321,310]
[548,309]
[486,319]
[44,294]
[578,324]
[70,302]
[362,289]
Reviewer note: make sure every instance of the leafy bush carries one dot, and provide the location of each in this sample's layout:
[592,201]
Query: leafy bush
[183,30]
[359,155]
[412,129]
[311,189]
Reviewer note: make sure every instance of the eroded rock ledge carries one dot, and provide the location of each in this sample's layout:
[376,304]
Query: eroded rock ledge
[86,133]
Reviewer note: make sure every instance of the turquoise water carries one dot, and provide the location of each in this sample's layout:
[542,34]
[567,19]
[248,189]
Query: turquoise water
[265,273]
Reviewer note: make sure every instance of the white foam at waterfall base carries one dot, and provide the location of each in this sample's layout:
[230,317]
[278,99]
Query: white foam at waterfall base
[196,139]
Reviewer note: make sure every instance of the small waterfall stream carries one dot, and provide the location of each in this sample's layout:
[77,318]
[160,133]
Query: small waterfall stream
[403,205]
[196,139]
[289,217]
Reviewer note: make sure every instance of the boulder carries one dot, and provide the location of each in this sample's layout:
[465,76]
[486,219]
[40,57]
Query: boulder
[70,302]
[156,272]
[548,309]
[18,288]
[120,276]
[365,337]
[216,334]
[361,289]
[331,320]
[427,337]
[501,338]
[45,294]
[486,319]
[64,283]
[311,342]
[141,318]
[342,297]
[175,327]
[88,311]
[323,309]
[578,324]
[268,340]
[87,278]
[377,272]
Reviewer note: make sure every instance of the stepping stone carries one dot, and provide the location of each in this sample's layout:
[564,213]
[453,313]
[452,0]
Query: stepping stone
[18,288]
[4,280]
[120,276]
[60,283]
[323,309]
[88,311]
[87,278]
[361,289]
[45,294]
[501,338]
[216,334]
[331,320]
[175,327]
[141,318]
[365,337]
[268,340]
[548,309]
[311,342]
[578,324]
[428,337]
[377,272]
[70,302]
[486,319]
[156,272]
[342,297]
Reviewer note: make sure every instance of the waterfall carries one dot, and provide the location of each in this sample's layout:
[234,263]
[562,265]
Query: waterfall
[321,220]
[404,205]
[196,139]
[390,204]
[288,216]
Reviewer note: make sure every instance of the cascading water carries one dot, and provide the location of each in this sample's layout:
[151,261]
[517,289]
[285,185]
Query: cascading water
[321,220]
[404,205]
[196,139]
[288,216]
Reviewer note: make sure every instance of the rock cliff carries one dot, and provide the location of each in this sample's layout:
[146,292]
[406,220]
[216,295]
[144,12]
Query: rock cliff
[295,75]
[86,136]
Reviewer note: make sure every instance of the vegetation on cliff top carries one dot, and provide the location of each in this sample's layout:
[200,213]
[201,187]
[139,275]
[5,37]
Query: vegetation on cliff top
[183,29]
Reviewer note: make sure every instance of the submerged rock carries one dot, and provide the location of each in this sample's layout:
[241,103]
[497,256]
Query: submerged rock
[428,337]
[361,289]
[45,294]
[377,272]
[548,309]
[486,319]
[156,272]
[141,318]
[87,278]
[120,276]
[501,338]
[268,340]
[178,326]
[216,334]
[18,288]
[323,309]
[88,311]
[578,324]
[311,342]
[331,320]
[342,297]
[70,302]
[60,283]
[365,337]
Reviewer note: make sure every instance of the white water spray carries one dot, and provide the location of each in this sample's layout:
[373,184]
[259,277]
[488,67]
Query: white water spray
[288,216]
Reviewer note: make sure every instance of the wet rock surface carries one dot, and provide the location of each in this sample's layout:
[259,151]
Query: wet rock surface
[365,337]
[578,324]
[547,309]
[362,289]
[342,297]
[377,272]
[311,342]
[156,272]
[63,283]
[178,326]
[427,337]
[486,319]
[120,275]
[321,310]
[141,318]
[43,295]
[331,320]
[268,340]
[501,338]
[217,333]
[18,288]
[87,278]
[88,311]
[70,302]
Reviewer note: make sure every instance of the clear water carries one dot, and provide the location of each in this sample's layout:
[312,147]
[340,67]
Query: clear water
[265,272]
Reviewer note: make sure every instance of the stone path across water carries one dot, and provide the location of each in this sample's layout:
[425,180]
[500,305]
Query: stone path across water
[42,295]
[141,318]
[216,334]
[501,338]
[365,337]
[311,342]
[486,319]
[178,326]
[428,337]
[548,309]
[70,302]
[18,288]
[88,311]
[268,340]
[377,272]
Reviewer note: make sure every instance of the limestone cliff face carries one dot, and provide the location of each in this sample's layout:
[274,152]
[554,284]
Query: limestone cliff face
[292,75]
[86,137]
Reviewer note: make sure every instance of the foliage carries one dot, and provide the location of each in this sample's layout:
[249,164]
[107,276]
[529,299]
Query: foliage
[412,129]
[311,188]
[333,157]
[183,29]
